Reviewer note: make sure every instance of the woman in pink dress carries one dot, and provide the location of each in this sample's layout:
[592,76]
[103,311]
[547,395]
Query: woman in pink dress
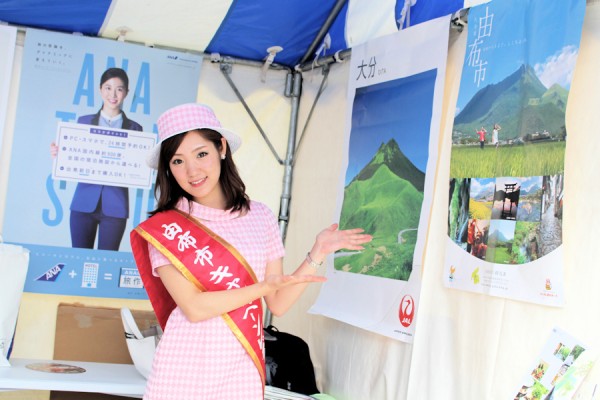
[208,256]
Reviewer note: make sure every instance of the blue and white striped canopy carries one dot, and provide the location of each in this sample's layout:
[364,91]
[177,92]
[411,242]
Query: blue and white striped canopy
[240,29]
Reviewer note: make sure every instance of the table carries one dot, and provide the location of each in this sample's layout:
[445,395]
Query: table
[116,379]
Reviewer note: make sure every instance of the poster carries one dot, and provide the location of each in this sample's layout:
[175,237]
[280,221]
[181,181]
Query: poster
[508,145]
[559,369]
[60,83]
[8,38]
[103,156]
[393,123]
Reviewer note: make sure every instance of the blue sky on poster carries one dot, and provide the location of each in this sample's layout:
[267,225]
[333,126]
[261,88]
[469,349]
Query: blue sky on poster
[522,32]
[481,185]
[400,109]
[504,227]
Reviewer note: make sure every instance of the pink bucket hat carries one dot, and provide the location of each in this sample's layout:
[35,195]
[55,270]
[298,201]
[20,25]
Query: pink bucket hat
[184,118]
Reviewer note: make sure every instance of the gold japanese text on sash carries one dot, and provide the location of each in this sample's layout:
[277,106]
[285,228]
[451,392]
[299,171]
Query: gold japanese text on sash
[181,239]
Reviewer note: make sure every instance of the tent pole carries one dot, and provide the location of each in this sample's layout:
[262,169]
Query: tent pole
[339,4]
[288,165]
[226,71]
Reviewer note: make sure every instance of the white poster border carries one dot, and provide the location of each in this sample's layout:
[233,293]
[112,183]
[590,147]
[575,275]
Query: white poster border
[372,303]
[8,38]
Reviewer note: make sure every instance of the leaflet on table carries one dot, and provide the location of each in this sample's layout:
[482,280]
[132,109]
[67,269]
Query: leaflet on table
[103,155]
[559,370]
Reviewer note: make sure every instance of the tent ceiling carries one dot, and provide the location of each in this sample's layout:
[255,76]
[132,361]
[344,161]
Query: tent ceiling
[241,29]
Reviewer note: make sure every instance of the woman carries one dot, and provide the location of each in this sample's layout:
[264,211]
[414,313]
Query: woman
[101,208]
[208,255]
[495,133]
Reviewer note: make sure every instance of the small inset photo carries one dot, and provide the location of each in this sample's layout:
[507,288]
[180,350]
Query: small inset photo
[562,352]
[539,371]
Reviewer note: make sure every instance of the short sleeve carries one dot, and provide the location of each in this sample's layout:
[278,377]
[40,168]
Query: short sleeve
[274,243]
[157,259]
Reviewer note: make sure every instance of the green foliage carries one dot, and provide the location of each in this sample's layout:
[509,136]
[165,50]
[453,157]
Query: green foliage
[389,154]
[502,256]
[384,199]
[577,350]
[520,103]
[454,210]
[524,232]
[534,159]
[382,205]
[480,209]
[538,391]
[564,352]
[391,261]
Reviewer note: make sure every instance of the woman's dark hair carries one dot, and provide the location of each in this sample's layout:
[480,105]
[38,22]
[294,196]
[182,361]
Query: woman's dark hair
[115,73]
[168,192]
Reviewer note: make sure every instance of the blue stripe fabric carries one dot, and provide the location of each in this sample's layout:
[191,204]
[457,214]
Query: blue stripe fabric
[69,16]
[424,10]
[251,27]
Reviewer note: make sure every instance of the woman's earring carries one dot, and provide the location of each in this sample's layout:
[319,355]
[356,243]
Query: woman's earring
[222,156]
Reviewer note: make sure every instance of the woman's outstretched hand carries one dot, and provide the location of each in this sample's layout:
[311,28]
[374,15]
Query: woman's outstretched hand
[276,282]
[331,239]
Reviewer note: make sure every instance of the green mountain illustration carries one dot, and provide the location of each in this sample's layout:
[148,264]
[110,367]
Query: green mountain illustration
[384,199]
[390,154]
[520,103]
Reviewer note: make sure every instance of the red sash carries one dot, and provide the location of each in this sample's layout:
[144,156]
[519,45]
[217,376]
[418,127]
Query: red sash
[206,260]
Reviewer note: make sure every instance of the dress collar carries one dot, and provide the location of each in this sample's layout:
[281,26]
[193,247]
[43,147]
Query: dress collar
[205,213]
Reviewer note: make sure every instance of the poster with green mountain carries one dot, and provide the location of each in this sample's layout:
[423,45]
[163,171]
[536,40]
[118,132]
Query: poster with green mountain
[392,131]
[388,151]
[505,209]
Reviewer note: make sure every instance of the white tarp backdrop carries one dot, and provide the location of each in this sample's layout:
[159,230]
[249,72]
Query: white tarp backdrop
[8,37]
[467,346]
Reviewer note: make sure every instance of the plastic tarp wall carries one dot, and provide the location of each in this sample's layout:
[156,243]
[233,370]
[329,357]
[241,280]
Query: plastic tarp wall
[467,346]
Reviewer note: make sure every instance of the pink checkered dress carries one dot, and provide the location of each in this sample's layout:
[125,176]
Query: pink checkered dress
[204,360]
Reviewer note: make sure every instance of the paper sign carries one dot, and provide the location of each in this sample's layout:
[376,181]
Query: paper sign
[103,156]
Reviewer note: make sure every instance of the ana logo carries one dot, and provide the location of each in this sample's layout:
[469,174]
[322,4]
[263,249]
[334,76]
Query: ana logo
[407,311]
[172,57]
[51,274]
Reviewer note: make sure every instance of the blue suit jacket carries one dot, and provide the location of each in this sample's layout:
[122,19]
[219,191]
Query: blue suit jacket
[115,200]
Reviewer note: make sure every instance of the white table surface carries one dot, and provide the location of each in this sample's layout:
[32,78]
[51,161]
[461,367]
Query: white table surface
[117,379]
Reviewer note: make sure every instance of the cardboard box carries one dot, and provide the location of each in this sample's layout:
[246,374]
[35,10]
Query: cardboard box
[93,334]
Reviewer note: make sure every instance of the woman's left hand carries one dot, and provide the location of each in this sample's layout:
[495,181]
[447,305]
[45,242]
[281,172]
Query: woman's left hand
[332,239]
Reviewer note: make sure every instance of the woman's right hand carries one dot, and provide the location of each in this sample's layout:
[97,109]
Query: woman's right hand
[276,282]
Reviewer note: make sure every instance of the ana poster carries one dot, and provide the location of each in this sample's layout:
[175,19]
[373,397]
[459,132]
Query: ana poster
[60,83]
[508,144]
[393,123]
[8,37]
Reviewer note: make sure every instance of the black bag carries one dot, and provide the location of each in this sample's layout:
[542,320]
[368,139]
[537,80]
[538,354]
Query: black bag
[288,362]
